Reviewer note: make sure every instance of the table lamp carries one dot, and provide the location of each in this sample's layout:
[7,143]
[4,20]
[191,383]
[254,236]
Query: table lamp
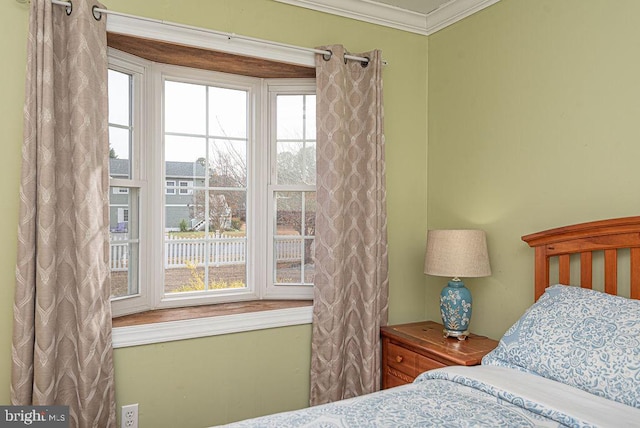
[455,254]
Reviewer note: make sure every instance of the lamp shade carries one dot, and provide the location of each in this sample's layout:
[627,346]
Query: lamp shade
[457,253]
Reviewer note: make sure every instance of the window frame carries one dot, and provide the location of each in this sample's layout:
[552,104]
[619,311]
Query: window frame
[277,87]
[162,73]
[150,168]
[125,28]
[137,69]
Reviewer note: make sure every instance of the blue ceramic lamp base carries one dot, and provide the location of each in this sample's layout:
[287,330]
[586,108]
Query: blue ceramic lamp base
[455,309]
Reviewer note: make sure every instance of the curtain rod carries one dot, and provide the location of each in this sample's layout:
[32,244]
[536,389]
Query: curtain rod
[98,11]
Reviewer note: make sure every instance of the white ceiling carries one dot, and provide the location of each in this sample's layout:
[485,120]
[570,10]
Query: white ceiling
[416,16]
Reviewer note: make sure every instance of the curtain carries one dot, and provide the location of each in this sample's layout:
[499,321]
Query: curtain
[61,350]
[351,280]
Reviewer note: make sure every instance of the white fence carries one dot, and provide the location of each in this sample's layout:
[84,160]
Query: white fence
[220,250]
[118,252]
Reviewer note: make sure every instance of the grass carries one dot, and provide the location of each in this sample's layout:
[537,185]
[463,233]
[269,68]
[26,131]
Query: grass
[196,282]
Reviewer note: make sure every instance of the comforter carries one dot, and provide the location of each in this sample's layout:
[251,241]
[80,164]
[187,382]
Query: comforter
[490,396]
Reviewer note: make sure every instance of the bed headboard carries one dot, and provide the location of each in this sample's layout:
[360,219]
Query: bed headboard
[585,238]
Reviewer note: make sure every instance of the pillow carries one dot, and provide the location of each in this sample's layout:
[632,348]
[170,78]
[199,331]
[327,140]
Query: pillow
[580,337]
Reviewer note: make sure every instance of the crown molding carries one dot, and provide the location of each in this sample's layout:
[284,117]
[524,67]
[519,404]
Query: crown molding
[363,10]
[394,17]
[453,12]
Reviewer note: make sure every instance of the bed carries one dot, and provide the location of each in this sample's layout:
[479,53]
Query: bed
[572,359]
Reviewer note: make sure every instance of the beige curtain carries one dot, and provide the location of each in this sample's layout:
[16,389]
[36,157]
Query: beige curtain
[62,352]
[351,281]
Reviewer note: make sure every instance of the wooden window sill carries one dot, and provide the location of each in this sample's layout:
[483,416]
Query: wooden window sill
[164,325]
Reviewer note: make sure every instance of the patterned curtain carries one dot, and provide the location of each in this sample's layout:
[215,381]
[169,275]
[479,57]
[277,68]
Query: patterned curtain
[62,351]
[351,281]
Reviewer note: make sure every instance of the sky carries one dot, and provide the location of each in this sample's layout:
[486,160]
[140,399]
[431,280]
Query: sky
[194,111]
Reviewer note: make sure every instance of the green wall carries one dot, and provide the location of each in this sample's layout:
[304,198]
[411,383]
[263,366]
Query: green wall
[207,381]
[533,119]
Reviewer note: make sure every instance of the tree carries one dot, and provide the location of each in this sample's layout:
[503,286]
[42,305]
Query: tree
[298,167]
[227,172]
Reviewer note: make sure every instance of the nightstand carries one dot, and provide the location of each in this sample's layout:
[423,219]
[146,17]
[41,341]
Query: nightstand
[410,349]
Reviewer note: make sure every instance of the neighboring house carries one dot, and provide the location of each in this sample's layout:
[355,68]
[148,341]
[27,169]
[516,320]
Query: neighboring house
[118,196]
[180,179]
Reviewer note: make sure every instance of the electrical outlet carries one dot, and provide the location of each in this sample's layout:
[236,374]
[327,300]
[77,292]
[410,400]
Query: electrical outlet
[129,417]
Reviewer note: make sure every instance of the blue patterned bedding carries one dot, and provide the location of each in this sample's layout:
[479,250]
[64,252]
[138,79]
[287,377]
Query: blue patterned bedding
[581,337]
[481,396]
[573,359]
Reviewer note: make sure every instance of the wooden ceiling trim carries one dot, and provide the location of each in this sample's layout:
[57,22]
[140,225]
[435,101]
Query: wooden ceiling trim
[189,56]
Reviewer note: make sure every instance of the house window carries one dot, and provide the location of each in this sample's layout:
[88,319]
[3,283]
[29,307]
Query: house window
[186,188]
[221,191]
[171,187]
[123,215]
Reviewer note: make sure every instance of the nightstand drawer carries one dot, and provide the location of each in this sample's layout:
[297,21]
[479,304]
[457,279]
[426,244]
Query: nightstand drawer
[402,359]
[393,377]
[425,363]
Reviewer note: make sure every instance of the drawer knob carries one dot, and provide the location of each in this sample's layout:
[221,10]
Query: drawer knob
[399,359]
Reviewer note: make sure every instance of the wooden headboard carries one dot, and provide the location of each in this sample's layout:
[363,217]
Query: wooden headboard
[605,235]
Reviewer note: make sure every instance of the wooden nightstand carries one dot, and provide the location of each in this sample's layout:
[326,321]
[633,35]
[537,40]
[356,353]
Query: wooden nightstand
[410,349]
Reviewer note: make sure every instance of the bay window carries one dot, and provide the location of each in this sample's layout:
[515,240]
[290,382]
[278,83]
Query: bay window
[216,175]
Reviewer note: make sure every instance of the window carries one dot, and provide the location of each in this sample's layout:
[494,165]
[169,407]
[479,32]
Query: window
[123,215]
[186,188]
[171,189]
[220,187]
[125,82]
[292,190]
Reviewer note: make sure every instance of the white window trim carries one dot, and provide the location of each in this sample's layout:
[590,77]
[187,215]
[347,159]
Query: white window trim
[275,88]
[137,67]
[192,36]
[130,336]
[255,160]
